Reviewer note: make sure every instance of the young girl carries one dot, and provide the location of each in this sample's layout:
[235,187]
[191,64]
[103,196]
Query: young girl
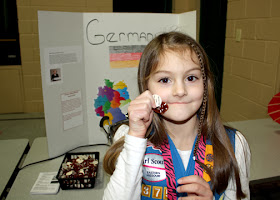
[185,152]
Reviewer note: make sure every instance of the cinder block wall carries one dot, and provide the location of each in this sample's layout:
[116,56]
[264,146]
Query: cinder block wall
[29,41]
[251,66]
[180,6]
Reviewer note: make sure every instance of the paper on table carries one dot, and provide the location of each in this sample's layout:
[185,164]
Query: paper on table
[46,183]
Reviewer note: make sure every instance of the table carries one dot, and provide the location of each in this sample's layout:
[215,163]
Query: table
[263,136]
[27,176]
[11,155]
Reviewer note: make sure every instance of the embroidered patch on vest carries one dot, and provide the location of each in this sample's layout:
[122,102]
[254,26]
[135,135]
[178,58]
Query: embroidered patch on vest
[209,157]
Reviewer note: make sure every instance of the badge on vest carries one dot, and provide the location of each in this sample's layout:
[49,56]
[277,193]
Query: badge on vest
[153,168]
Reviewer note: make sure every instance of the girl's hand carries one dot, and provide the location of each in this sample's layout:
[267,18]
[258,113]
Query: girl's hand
[140,114]
[196,187]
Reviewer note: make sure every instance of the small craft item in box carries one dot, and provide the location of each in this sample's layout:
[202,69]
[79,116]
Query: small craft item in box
[78,170]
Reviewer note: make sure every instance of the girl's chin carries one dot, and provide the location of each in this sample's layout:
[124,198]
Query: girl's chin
[178,119]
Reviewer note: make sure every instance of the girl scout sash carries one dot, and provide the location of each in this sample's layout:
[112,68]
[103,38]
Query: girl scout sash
[162,167]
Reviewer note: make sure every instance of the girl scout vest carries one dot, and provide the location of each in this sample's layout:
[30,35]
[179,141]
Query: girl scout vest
[162,167]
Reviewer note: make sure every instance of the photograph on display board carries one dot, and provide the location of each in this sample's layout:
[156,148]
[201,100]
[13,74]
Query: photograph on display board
[55,74]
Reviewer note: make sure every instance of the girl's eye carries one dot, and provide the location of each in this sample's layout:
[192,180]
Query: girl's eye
[164,80]
[191,78]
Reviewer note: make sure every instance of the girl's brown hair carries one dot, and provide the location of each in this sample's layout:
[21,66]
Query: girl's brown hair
[210,123]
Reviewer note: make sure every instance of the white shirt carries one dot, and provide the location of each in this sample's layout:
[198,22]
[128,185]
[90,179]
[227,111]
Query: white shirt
[125,183]
[185,156]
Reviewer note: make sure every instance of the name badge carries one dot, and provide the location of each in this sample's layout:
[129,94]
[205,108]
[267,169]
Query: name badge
[153,168]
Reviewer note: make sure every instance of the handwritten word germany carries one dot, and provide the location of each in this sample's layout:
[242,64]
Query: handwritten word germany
[95,38]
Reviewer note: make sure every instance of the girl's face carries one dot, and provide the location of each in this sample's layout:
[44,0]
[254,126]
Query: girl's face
[178,81]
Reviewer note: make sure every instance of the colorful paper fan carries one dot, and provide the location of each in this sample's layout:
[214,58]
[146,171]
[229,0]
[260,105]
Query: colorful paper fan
[274,108]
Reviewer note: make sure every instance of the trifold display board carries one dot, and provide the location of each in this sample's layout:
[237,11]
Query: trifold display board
[89,69]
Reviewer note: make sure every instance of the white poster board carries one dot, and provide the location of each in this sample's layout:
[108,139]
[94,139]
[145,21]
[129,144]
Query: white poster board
[89,69]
